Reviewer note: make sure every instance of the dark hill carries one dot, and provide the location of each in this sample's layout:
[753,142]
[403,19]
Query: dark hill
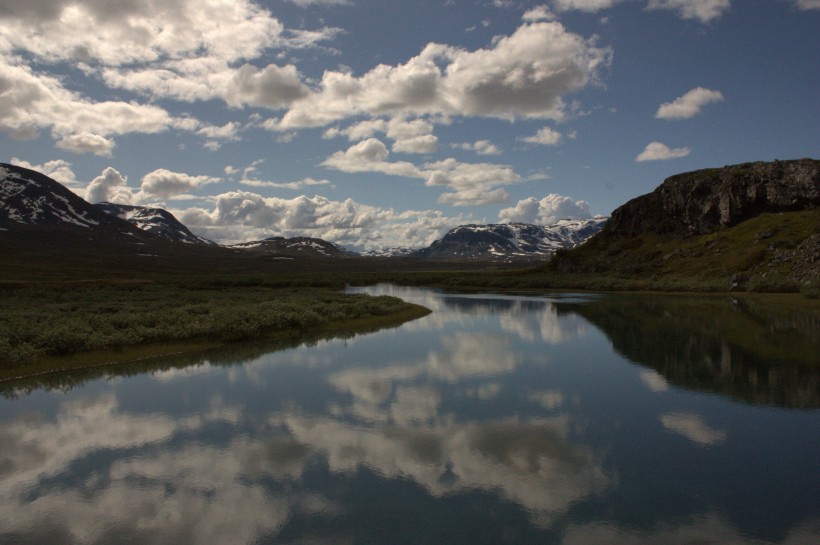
[705,201]
[754,225]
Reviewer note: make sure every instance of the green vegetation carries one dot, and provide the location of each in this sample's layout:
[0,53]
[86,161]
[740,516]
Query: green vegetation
[768,253]
[757,348]
[41,323]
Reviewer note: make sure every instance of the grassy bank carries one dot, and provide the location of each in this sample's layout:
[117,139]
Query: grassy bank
[48,324]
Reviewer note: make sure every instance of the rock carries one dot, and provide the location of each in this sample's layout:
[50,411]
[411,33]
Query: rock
[705,201]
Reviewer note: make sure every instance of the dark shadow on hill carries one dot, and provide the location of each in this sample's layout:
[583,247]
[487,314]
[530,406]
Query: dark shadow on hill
[755,350]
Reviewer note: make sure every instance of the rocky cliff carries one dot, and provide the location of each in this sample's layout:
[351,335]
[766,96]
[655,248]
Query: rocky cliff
[705,201]
[748,226]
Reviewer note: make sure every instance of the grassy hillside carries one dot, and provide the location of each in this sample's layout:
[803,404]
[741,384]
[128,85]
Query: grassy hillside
[771,252]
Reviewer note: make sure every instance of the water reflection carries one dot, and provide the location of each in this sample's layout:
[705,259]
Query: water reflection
[495,419]
[751,350]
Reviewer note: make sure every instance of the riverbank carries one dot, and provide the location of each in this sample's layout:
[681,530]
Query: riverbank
[52,327]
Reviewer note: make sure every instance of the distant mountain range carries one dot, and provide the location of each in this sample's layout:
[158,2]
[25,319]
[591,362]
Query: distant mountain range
[511,241]
[31,200]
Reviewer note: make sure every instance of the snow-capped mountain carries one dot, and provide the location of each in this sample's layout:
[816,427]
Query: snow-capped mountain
[289,248]
[31,199]
[390,252]
[509,241]
[155,221]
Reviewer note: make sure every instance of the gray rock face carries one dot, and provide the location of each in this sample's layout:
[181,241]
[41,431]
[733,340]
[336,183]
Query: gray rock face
[705,201]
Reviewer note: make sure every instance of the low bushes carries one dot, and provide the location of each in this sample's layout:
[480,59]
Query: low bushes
[58,321]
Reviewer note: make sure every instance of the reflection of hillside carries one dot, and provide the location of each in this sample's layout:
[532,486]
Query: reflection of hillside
[744,349]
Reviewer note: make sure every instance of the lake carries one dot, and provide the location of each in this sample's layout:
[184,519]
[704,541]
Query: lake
[557,418]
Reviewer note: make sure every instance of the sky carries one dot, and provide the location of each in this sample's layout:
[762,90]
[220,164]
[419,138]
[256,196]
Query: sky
[383,123]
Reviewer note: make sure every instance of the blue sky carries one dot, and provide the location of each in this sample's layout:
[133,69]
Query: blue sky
[376,123]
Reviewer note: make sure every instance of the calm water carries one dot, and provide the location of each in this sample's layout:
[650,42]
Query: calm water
[496,419]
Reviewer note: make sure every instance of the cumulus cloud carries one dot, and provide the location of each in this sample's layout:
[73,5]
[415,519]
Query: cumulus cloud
[301,184]
[32,100]
[110,186]
[546,211]
[688,105]
[240,216]
[480,147]
[657,151]
[468,184]
[545,137]
[589,6]
[523,75]
[807,4]
[272,87]
[173,49]
[702,10]
[86,142]
[538,13]
[370,156]
[163,183]
[409,136]
[305,3]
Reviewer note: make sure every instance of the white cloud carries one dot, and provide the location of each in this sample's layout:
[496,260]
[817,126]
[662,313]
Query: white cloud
[306,3]
[524,75]
[228,132]
[546,211]
[807,4]
[86,142]
[240,216]
[137,31]
[110,186]
[272,87]
[163,183]
[172,49]
[545,137]
[370,156]
[656,151]
[301,184]
[31,100]
[409,136]
[468,184]
[480,147]
[693,428]
[589,6]
[538,13]
[688,105]
[702,10]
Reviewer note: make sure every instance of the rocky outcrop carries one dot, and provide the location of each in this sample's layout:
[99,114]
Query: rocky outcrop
[705,201]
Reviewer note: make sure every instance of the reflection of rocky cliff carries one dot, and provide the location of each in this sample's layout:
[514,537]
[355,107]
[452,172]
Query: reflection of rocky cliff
[747,349]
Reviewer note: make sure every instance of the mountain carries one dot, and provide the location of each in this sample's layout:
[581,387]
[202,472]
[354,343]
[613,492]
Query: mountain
[706,201]
[389,252]
[156,221]
[752,225]
[30,200]
[290,248]
[511,241]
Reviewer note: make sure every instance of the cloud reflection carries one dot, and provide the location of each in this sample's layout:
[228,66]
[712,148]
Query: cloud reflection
[693,428]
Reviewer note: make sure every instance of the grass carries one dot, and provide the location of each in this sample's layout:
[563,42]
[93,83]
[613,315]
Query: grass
[44,323]
[756,251]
